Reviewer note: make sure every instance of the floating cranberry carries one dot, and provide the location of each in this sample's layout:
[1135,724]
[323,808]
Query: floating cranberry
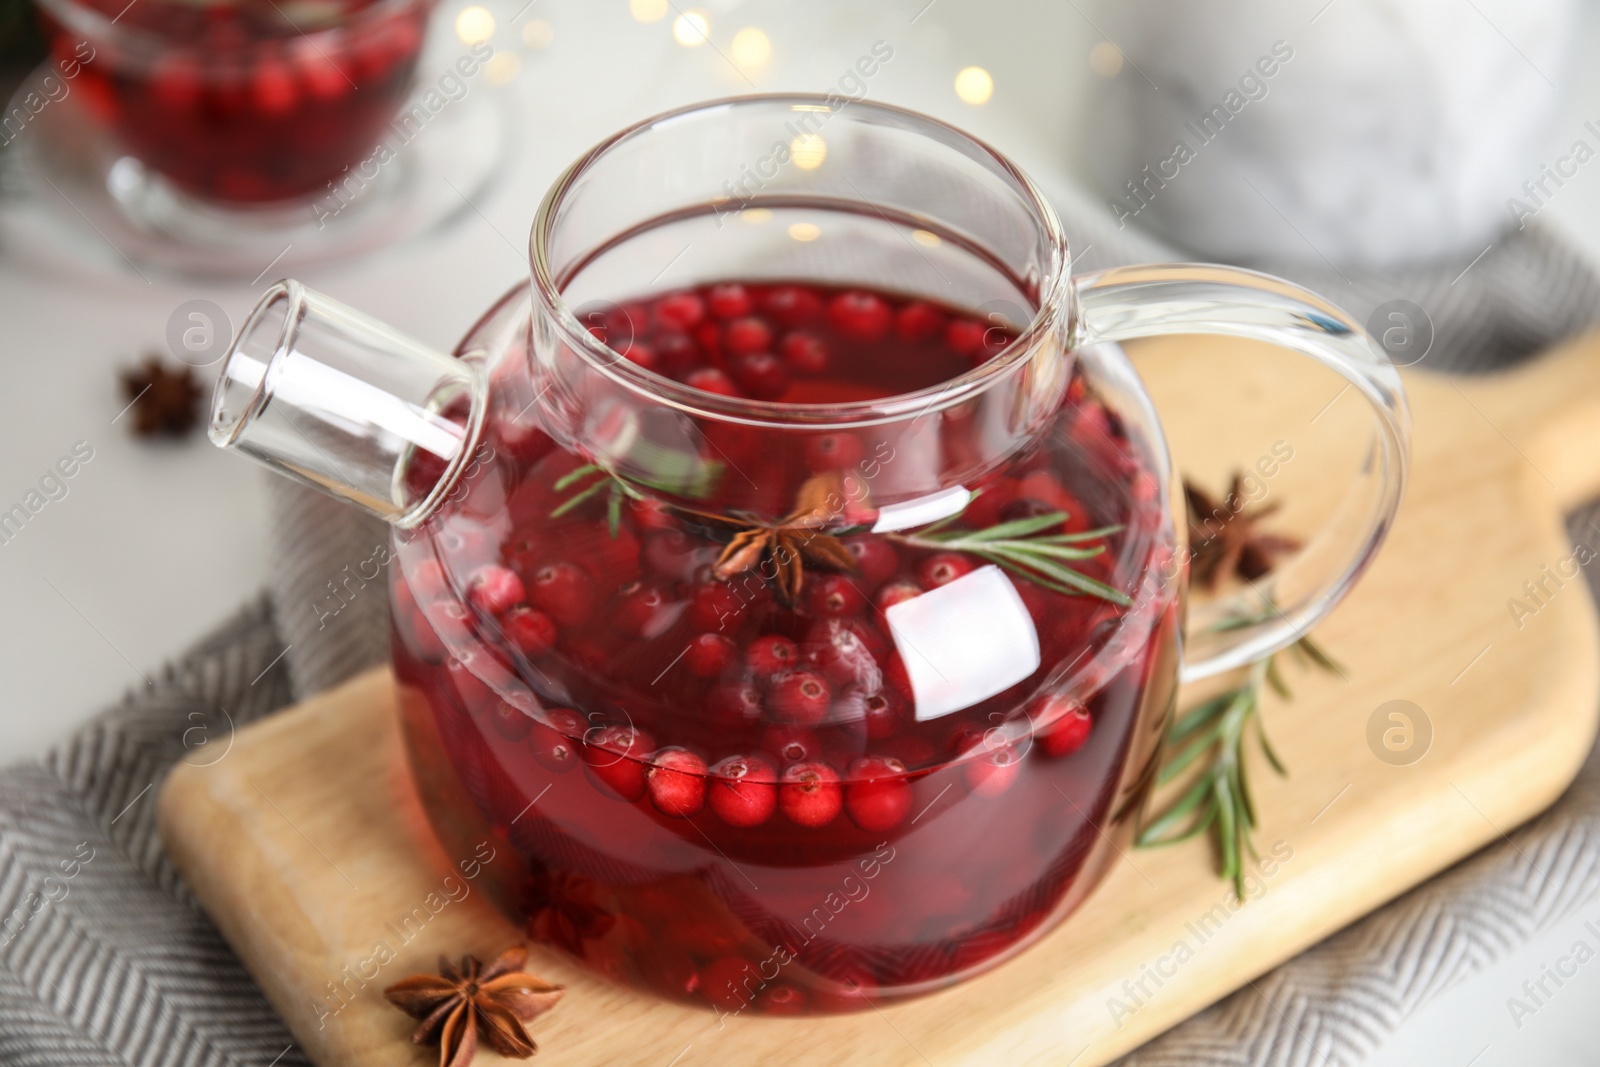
[709,655]
[877,795]
[642,609]
[615,756]
[897,592]
[427,580]
[799,697]
[510,721]
[529,631]
[734,703]
[642,355]
[1066,728]
[726,982]
[680,311]
[791,743]
[806,353]
[843,656]
[965,337]
[772,655]
[677,354]
[494,589]
[875,558]
[792,305]
[781,999]
[833,596]
[711,380]
[677,782]
[742,337]
[860,315]
[918,322]
[556,742]
[761,375]
[990,764]
[942,568]
[714,606]
[729,300]
[272,88]
[884,713]
[743,790]
[564,592]
[810,794]
[833,451]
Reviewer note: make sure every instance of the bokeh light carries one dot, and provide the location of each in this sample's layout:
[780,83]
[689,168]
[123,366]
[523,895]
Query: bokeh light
[808,151]
[751,47]
[974,85]
[804,231]
[1105,59]
[538,33]
[474,24]
[649,10]
[691,28]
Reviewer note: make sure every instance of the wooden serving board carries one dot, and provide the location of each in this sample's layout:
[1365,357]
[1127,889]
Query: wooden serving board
[306,844]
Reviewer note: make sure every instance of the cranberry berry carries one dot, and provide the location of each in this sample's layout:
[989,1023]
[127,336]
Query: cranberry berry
[709,655]
[1067,728]
[743,791]
[810,794]
[615,756]
[799,697]
[677,783]
[833,596]
[942,568]
[556,741]
[877,796]
[564,592]
[495,590]
[529,631]
[741,337]
[772,655]
[860,315]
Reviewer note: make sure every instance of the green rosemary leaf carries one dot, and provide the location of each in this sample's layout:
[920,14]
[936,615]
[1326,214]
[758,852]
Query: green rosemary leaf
[1188,755]
[1074,538]
[1318,656]
[575,476]
[1023,562]
[1038,548]
[1007,531]
[1266,748]
[1198,716]
[577,498]
[1275,679]
[614,509]
[1156,832]
[1241,782]
[1228,831]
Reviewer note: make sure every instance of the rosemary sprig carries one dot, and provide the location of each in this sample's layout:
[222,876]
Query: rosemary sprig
[1020,547]
[615,488]
[1219,797]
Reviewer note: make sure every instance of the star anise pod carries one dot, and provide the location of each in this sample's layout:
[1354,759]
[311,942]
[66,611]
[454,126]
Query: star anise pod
[164,400]
[1224,539]
[466,1000]
[782,549]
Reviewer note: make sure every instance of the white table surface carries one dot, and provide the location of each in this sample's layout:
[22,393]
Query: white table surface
[157,543]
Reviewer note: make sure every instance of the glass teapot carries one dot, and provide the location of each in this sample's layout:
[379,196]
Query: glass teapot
[793,579]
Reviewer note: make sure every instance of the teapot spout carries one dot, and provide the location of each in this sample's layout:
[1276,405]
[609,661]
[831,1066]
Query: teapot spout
[335,399]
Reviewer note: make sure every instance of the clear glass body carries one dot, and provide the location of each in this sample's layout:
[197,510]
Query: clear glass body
[739,767]
[239,103]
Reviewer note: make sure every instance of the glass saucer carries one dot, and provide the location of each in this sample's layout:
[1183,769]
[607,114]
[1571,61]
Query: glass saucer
[71,187]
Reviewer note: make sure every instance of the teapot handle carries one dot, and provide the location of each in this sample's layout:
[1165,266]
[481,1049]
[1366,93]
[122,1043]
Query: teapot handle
[1144,301]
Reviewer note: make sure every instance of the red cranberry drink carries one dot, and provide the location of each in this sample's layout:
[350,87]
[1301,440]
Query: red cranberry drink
[735,795]
[787,589]
[245,102]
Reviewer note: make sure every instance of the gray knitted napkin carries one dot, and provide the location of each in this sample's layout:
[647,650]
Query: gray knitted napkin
[105,958]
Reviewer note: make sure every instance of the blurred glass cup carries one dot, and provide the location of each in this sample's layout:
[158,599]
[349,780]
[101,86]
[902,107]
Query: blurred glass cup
[243,103]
